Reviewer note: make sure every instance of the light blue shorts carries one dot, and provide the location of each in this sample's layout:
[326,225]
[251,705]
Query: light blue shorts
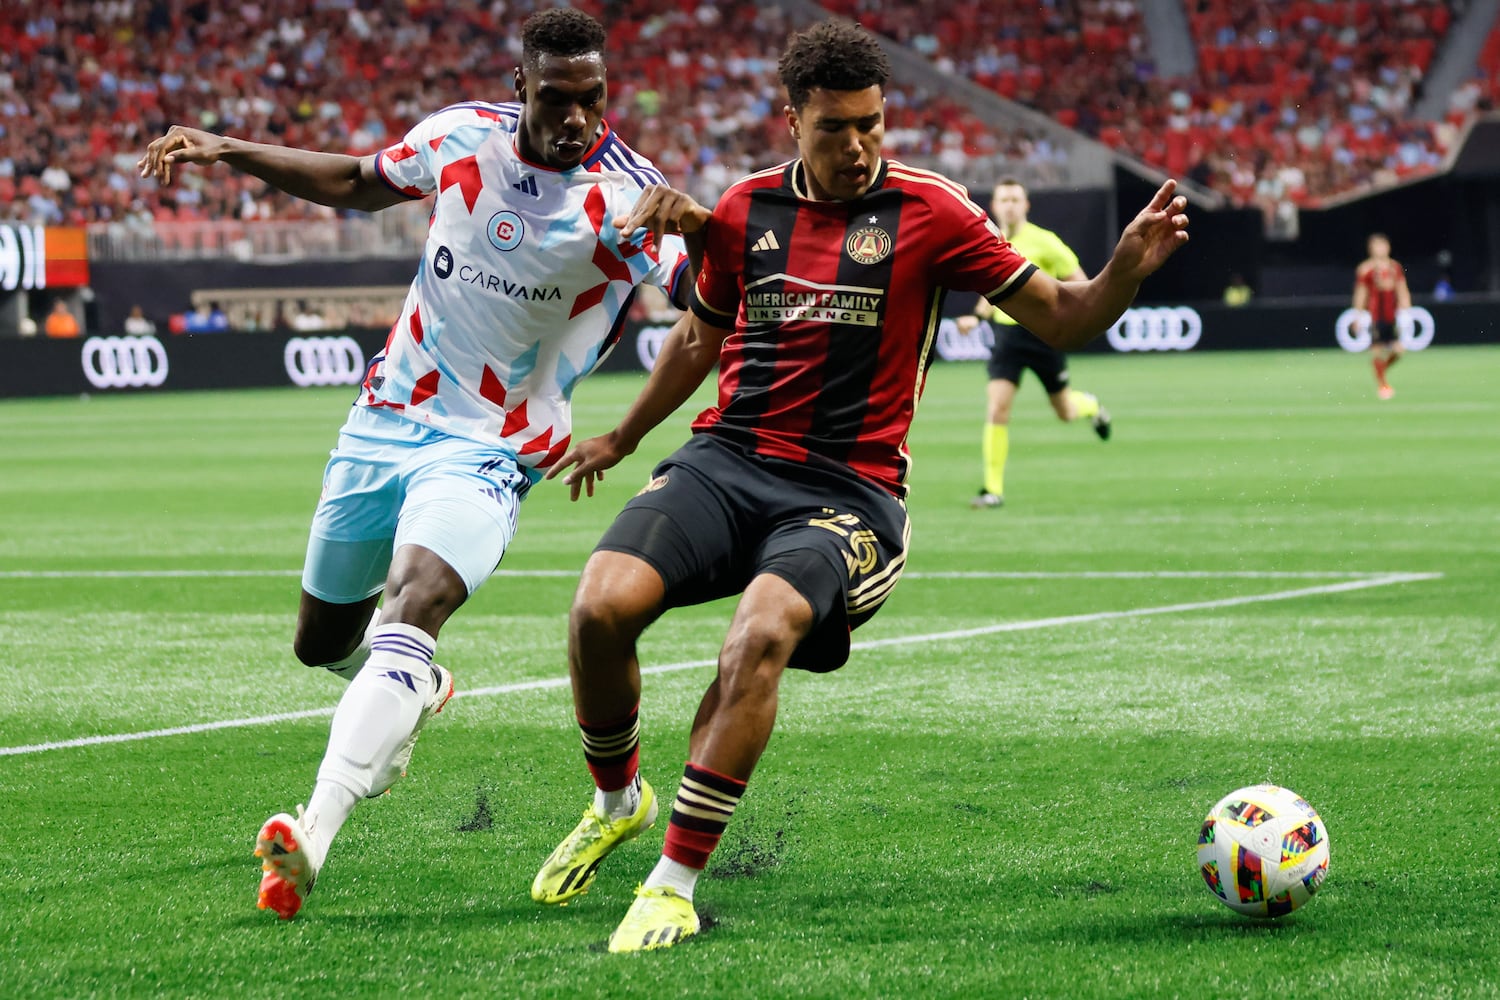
[394,482]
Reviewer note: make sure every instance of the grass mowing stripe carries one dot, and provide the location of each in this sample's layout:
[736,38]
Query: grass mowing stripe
[556,682]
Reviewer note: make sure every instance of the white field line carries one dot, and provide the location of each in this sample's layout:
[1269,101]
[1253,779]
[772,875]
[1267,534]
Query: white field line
[1251,574]
[665,668]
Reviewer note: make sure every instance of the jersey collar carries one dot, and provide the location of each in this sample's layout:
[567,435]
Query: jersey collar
[796,179]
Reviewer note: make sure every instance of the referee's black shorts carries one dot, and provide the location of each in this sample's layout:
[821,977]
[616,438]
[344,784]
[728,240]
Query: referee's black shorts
[715,516]
[1017,348]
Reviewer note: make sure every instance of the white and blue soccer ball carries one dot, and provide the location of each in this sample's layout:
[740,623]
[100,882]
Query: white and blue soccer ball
[1263,851]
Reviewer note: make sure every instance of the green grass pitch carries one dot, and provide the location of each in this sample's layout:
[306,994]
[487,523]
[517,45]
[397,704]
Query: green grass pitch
[1266,575]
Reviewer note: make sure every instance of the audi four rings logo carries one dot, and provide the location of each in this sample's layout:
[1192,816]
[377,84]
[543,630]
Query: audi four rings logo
[648,344]
[954,345]
[324,361]
[124,362]
[1415,327]
[1160,328]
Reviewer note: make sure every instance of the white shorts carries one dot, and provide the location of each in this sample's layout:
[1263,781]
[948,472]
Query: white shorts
[394,482]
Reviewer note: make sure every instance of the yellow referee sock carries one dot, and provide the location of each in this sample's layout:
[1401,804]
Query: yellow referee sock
[1085,404]
[996,450]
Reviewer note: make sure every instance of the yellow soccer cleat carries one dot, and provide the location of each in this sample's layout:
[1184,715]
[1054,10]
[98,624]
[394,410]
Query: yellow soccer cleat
[571,868]
[658,918]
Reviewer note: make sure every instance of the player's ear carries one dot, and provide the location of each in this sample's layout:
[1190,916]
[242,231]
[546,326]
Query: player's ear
[792,123]
[520,82]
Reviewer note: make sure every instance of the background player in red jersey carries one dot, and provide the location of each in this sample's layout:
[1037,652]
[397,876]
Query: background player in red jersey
[791,489]
[1380,290]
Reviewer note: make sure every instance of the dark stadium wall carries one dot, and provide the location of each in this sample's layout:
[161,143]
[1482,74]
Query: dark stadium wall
[1448,224]
[1224,243]
[164,289]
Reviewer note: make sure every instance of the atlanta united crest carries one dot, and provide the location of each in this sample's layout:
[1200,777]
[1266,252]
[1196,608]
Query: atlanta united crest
[869,245]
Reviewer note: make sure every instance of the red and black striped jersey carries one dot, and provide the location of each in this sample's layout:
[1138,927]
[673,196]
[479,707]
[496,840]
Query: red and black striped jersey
[835,306]
[1381,280]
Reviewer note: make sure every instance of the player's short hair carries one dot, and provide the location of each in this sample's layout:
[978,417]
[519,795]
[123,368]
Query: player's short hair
[560,31]
[833,55]
[1009,182]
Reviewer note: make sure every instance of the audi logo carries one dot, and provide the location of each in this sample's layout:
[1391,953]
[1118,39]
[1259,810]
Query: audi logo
[1163,328]
[954,345]
[648,344]
[124,362]
[324,361]
[1415,327]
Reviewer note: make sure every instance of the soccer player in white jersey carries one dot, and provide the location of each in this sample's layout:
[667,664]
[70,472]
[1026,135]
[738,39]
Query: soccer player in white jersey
[543,225]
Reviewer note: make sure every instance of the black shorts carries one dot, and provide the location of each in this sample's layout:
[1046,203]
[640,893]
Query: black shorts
[715,516]
[1017,348]
[1384,333]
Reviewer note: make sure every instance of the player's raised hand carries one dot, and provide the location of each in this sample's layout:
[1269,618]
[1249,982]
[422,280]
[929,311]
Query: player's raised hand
[180,145]
[1154,234]
[589,458]
[663,210]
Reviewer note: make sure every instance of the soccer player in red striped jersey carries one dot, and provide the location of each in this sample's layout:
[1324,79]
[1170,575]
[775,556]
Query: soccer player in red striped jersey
[1381,292]
[819,298]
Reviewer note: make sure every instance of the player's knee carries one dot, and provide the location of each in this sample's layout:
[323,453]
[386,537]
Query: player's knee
[603,616]
[322,649]
[424,603]
[758,648]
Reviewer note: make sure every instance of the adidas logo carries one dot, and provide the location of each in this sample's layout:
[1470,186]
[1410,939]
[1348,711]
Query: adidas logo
[527,186]
[766,242]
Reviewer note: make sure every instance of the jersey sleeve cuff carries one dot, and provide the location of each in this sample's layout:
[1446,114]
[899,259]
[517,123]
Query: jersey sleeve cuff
[409,192]
[1012,285]
[677,291]
[710,315]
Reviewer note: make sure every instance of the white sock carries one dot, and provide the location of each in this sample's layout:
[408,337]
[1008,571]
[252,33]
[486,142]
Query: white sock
[380,708]
[675,874]
[620,803]
[351,664]
[324,816]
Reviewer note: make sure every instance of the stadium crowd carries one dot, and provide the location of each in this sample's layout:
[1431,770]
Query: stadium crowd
[84,87]
[1292,101]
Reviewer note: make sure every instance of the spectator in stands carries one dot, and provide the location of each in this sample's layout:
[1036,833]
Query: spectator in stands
[1237,292]
[1443,290]
[137,325]
[61,323]
[206,317]
[308,318]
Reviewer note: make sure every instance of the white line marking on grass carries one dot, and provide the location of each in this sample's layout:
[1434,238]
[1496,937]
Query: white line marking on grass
[1145,574]
[665,668]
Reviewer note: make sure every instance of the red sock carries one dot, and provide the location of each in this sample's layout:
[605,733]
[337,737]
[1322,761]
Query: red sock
[705,802]
[1380,367]
[613,751]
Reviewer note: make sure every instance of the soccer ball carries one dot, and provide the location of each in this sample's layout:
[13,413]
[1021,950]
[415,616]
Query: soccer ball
[1263,850]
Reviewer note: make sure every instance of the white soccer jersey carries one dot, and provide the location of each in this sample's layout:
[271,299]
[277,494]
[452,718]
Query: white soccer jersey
[524,283]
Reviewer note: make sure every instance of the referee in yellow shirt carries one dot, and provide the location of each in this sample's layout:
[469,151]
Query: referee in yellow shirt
[1017,348]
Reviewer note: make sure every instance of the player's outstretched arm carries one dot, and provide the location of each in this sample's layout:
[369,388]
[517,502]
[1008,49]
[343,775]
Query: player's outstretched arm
[688,354]
[332,179]
[1068,314]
